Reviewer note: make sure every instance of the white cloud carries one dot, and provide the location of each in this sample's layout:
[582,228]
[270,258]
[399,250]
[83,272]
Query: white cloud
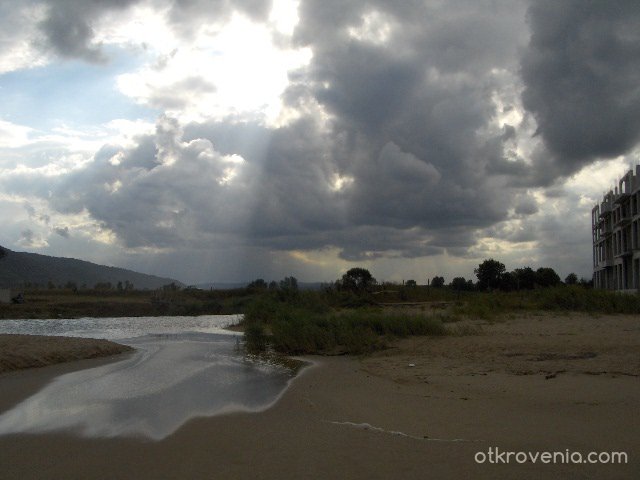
[233,70]
[375,27]
[284,16]
[12,135]
[18,34]
[388,133]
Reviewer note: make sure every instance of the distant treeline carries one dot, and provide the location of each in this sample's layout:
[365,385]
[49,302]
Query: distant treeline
[490,275]
[357,314]
[120,286]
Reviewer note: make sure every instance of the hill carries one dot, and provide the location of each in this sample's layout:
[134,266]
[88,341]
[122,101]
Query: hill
[20,268]
[234,285]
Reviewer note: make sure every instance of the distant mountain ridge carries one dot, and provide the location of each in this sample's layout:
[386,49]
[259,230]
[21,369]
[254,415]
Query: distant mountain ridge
[232,285]
[20,268]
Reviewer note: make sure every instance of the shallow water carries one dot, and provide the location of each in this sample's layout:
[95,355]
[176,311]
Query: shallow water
[183,367]
[121,327]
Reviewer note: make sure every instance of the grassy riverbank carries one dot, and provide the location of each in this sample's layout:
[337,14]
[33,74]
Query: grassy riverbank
[326,321]
[331,322]
[64,303]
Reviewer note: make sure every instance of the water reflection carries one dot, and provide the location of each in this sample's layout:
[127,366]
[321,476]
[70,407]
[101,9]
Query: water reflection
[121,327]
[170,379]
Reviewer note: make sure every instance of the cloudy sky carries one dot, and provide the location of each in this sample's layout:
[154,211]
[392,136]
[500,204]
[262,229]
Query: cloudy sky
[213,140]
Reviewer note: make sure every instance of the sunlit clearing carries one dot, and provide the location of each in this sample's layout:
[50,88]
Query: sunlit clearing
[231,71]
[142,26]
[598,178]
[284,15]
[339,183]
[309,258]
[374,28]
[234,162]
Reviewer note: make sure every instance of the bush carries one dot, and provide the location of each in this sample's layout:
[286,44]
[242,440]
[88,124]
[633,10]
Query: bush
[578,298]
[311,328]
[255,339]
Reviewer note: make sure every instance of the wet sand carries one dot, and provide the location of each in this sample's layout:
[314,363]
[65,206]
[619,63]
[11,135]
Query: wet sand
[529,384]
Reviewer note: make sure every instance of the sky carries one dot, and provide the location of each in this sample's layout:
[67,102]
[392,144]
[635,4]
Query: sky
[221,140]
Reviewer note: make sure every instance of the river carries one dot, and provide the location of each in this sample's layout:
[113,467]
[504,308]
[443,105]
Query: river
[182,368]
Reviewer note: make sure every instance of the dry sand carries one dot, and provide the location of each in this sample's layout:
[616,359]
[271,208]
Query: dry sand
[28,351]
[528,384]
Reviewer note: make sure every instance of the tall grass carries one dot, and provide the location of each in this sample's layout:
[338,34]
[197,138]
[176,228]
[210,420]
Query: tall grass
[303,328]
[321,322]
[489,305]
[575,298]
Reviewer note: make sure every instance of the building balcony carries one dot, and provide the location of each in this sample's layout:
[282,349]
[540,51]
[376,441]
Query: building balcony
[604,264]
[623,221]
[622,197]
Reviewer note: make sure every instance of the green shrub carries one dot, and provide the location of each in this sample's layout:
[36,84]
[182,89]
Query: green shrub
[255,339]
[308,325]
[577,298]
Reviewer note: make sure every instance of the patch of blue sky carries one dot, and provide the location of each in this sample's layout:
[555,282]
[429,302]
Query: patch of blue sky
[71,92]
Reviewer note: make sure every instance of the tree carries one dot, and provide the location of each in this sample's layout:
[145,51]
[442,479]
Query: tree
[258,284]
[460,284]
[437,282]
[586,283]
[508,281]
[572,279]
[525,278]
[357,280]
[411,283]
[547,277]
[289,284]
[489,273]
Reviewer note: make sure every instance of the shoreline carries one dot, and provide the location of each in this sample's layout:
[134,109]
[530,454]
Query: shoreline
[19,352]
[26,350]
[18,385]
[379,417]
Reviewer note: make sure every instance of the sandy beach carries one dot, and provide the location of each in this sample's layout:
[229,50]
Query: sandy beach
[422,409]
[29,351]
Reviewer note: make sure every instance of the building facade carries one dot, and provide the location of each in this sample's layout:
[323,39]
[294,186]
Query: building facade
[615,225]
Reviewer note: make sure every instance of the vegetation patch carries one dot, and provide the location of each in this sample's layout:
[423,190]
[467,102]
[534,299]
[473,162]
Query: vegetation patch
[302,327]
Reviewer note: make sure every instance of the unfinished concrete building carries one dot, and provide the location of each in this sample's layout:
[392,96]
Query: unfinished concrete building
[615,226]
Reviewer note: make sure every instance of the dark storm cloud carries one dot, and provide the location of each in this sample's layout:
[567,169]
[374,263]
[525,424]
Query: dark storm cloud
[526,206]
[187,15]
[411,113]
[68,27]
[390,207]
[581,78]
[401,167]
[409,159]
[163,193]
[29,239]
[34,215]
[62,231]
